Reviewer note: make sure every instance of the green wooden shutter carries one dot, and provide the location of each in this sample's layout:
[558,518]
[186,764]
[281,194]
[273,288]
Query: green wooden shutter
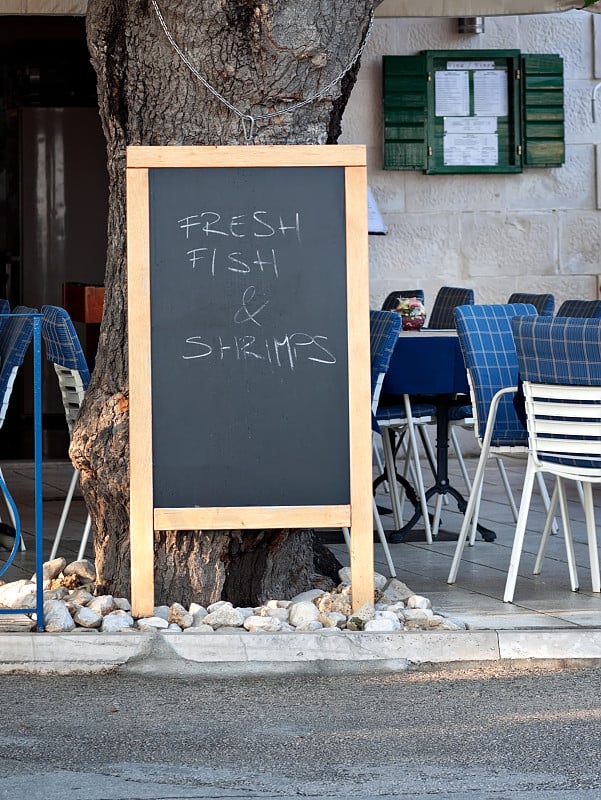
[543,114]
[405,112]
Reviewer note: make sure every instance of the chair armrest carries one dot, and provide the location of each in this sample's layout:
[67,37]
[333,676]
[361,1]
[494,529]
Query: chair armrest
[492,413]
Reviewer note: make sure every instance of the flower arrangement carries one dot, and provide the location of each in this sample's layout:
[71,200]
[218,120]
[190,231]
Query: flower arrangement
[412,311]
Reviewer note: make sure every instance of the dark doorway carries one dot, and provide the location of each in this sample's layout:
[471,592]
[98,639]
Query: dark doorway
[53,192]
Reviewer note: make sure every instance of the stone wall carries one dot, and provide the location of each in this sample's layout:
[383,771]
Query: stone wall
[535,231]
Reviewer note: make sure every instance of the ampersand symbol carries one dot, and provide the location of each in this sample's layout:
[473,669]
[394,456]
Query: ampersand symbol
[243,314]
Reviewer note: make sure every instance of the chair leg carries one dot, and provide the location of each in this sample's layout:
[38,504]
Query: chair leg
[520,530]
[476,514]
[420,481]
[84,538]
[409,475]
[382,536]
[390,471]
[544,493]
[390,468]
[428,448]
[546,530]
[567,532]
[460,459]
[347,538]
[431,456]
[470,513]
[508,491]
[410,472]
[412,462]
[66,506]
[589,511]
[437,513]
[379,462]
[384,542]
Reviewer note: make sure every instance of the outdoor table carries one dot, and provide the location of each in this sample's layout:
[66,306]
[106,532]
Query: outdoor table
[430,363]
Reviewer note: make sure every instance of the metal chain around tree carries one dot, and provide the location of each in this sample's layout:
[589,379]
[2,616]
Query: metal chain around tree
[248,120]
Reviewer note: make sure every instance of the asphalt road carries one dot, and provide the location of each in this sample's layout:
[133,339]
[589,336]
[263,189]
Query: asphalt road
[486,734]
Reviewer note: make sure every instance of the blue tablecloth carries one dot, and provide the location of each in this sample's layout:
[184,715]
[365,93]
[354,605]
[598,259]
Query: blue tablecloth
[426,362]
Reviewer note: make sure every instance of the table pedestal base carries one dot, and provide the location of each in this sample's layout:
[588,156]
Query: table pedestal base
[399,536]
[443,403]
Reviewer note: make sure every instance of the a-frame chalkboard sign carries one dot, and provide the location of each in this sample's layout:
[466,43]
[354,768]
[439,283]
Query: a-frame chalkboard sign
[248,325]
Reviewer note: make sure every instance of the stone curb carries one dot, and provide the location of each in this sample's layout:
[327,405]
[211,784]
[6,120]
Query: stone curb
[244,654]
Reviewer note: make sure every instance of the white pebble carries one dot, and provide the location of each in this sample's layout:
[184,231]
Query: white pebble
[417,601]
[383,625]
[152,623]
[302,612]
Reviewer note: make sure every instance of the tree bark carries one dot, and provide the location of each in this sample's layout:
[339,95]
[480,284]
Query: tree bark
[261,57]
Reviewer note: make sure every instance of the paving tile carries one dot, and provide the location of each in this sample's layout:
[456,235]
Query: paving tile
[566,644]
[581,617]
[498,621]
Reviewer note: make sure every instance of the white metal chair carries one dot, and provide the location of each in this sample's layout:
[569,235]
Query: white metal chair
[64,350]
[560,364]
[491,361]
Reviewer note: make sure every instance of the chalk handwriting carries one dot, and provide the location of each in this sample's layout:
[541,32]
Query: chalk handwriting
[217,245]
[285,351]
[232,262]
[243,314]
[259,224]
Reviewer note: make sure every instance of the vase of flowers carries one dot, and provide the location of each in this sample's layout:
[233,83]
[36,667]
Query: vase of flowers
[413,313]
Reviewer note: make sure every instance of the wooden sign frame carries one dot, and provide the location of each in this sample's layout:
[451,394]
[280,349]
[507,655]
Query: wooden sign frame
[144,517]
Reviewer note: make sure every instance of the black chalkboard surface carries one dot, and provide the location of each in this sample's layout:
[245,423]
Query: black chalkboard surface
[249,342]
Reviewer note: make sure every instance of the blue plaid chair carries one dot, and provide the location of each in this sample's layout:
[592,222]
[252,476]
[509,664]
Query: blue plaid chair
[560,363]
[396,414]
[4,309]
[581,309]
[543,303]
[64,350]
[384,328]
[490,358]
[590,309]
[442,315]
[392,300]
[15,337]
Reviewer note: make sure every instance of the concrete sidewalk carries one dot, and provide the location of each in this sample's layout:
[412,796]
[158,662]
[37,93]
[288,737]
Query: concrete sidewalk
[244,654]
[546,622]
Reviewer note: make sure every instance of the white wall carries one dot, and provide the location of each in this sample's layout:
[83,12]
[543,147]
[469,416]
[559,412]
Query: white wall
[535,231]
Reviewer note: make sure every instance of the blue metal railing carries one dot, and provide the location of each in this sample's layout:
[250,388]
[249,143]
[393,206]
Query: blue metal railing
[38,610]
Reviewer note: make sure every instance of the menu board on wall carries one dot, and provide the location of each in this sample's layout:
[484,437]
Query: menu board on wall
[490,93]
[470,96]
[452,93]
[437,101]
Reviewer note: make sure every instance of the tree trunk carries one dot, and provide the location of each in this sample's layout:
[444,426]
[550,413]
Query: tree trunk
[261,57]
